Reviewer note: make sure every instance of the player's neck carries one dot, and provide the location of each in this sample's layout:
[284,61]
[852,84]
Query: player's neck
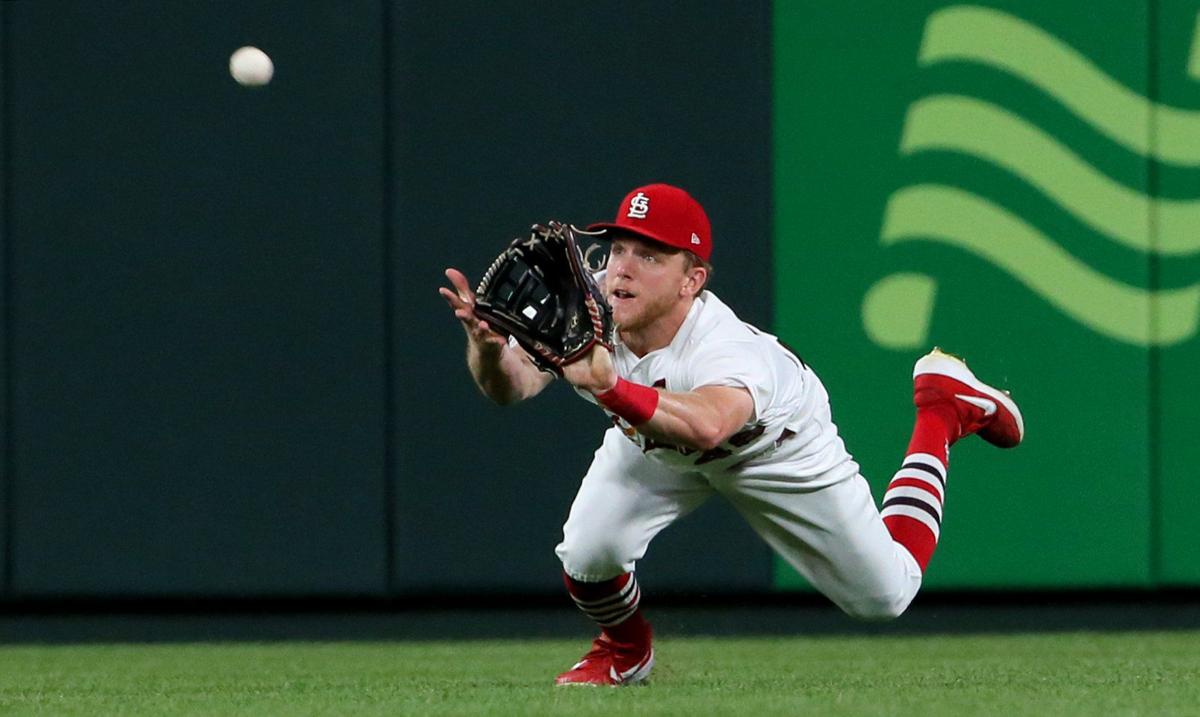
[658,333]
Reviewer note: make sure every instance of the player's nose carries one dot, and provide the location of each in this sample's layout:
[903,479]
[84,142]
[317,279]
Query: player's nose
[619,265]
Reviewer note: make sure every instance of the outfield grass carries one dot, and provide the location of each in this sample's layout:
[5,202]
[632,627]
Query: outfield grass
[1044,674]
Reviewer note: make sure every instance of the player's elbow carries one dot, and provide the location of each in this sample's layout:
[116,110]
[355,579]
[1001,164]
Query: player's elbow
[509,391]
[504,399]
[708,436]
[500,395]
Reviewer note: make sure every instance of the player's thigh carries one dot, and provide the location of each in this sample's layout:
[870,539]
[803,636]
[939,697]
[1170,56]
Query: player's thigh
[834,537]
[623,502]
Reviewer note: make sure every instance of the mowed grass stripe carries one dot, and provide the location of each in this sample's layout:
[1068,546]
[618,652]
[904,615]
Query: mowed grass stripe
[1061,674]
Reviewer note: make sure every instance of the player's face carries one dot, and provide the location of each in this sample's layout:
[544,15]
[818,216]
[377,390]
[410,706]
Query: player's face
[644,282]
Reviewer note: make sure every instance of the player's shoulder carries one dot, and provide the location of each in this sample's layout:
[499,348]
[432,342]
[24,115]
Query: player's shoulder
[718,321]
[716,334]
[721,331]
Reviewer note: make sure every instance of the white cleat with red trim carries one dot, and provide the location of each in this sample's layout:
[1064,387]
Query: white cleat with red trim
[990,412]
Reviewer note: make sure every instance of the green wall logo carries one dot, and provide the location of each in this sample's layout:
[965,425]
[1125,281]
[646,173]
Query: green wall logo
[897,310]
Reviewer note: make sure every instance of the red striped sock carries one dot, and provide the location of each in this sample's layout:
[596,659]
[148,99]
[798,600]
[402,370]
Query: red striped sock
[614,605]
[912,505]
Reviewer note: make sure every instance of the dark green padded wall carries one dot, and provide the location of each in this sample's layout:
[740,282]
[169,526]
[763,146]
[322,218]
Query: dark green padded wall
[227,370]
[197,300]
[508,113]
[231,372]
[5,509]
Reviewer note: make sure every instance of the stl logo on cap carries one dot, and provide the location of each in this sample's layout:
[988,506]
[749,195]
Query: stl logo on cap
[638,206]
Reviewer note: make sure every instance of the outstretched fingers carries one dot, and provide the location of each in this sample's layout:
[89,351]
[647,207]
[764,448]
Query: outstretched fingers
[462,301]
[460,298]
[461,286]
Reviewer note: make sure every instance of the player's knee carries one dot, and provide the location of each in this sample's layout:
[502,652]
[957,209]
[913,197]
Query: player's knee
[591,559]
[877,608]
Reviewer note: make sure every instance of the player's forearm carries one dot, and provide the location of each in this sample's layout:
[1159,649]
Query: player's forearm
[685,419]
[501,373]
[702,419]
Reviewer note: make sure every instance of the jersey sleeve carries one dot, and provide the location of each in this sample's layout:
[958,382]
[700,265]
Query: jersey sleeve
[739,364]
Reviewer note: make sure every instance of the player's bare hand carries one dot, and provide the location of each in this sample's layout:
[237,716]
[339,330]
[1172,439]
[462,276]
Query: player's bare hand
[594,372]
[462,300]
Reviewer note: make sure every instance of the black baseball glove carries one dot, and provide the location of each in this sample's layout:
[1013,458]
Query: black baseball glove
[541,292]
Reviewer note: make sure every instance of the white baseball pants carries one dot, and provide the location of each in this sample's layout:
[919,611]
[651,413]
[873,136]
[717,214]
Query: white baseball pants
[832,534]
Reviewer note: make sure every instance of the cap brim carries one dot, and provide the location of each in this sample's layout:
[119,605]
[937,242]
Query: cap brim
[622,229]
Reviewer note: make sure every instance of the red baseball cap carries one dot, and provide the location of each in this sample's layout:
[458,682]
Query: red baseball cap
[665,214]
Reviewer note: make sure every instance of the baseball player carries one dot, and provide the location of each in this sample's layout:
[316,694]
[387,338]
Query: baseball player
[703,403]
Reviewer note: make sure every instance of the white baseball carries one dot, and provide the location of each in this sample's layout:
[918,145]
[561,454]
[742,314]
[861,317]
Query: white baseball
[251,67]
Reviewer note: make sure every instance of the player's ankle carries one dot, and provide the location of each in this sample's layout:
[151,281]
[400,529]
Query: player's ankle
[944,413]
[635,630]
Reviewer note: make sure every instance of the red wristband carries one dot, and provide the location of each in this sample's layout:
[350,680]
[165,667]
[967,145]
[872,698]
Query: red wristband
[632,401]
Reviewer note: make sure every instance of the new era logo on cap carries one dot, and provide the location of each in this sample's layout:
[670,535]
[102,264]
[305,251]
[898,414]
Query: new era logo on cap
[677,219]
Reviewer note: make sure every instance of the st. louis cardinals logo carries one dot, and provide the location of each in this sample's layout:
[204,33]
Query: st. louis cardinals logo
[638,206]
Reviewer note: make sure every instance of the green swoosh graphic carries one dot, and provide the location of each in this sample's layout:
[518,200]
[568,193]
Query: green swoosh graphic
[983,130]
[995,38]
[977,226]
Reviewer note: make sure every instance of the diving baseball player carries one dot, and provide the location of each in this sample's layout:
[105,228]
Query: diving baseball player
[702,404]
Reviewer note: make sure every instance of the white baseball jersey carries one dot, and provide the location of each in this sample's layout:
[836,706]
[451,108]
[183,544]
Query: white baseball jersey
[791,427]
[786,471]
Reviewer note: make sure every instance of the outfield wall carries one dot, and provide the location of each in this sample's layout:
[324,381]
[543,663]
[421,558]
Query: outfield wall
[1017,182]
[227,371]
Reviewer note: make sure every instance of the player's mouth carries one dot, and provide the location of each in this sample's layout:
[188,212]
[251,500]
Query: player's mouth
[620,295]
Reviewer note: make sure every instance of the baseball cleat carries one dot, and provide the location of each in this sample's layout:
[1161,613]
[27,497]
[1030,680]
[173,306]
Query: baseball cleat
[939,377]
[610,663]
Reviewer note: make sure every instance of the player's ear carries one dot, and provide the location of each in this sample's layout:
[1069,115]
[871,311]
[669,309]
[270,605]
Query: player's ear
[694,279]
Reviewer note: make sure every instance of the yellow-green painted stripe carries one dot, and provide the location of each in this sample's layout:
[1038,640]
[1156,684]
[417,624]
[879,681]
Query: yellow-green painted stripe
[1008,43]
[973,224]
[962,124]
[1194,57]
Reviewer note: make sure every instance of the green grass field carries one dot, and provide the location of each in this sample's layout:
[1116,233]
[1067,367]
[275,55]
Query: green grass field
[1134,673]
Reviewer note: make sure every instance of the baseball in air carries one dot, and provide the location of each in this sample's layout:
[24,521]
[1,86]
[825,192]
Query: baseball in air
[251,67]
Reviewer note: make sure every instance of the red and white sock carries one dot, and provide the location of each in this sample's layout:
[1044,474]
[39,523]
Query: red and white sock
[912,505]
[614,605]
